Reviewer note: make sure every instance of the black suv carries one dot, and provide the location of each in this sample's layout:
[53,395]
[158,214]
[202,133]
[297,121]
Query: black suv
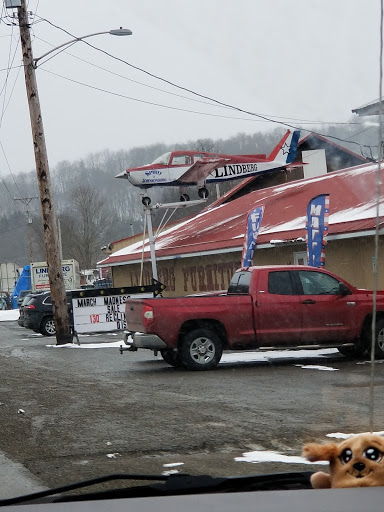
[38,314]
[22,296]
[26,298]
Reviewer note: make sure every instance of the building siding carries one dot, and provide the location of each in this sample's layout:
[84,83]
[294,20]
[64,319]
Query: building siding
[351,259]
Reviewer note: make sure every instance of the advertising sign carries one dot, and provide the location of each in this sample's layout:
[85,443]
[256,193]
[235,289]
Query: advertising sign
[252,230]
[103,310]
[317,229]
[102,314]
[40,278]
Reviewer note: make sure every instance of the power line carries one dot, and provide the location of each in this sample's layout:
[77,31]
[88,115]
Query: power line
[12,67]
[126,78]
[211,101]
[5,105]
[26,201]
[145,101]
[4,88]
[166,106]
[305,121]
[263,117]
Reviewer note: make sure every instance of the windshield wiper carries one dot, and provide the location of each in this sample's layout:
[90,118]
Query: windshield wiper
[178,484]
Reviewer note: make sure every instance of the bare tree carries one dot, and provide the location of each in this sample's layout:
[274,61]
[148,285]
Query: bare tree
[90,221]
[206,146]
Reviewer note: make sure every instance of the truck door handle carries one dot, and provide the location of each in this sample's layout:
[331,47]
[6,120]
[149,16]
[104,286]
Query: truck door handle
[308,301]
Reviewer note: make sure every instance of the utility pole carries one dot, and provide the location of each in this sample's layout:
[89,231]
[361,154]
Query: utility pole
[52,250]
[26,201]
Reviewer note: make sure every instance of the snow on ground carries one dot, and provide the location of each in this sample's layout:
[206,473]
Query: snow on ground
[268,355]
[106,344]
[259,456]
[341,435]
[227,358]
[9,314]
[317,367]
[232,357]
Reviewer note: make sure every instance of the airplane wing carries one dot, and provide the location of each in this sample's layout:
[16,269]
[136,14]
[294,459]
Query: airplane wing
[199,170]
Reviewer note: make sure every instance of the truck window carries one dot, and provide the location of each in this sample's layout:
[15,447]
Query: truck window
[280,283]
[240,282]
[317,283]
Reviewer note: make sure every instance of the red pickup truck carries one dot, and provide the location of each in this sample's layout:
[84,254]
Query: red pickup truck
[282,306]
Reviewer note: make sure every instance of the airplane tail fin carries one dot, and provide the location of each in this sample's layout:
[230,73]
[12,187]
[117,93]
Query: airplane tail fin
[293,147]
[286,149]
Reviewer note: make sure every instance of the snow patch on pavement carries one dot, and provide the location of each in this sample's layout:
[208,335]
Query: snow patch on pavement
[7,315]
[106,344]
[232,357]
[341,435]
[317,367]
[260,456]
[269,355]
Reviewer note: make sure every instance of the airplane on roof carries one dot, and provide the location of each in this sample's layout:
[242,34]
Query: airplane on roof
[196,168]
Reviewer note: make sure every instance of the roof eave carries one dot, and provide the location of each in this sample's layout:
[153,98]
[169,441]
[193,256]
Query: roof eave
[268,245]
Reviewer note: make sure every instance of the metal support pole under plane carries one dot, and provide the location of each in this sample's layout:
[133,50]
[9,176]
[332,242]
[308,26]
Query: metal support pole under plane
[148,213]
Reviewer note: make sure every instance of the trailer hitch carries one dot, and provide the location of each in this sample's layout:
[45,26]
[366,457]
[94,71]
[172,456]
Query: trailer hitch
[130,347]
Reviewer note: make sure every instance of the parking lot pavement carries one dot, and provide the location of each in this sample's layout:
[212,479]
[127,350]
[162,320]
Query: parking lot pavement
[90,411]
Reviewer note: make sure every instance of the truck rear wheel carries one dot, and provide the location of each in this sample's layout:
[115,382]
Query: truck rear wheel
[359,349]
[201,349]
[379,339]
[171,357]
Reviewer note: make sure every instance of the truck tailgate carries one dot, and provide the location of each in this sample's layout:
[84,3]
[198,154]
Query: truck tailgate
[134,314]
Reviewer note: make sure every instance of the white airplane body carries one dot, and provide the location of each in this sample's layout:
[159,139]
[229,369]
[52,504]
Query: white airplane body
[196,168]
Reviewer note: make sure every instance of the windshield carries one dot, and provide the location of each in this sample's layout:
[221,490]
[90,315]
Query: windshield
[163,159]
[209,315]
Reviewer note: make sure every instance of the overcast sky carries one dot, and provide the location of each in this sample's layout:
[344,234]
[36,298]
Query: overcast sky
[311,60]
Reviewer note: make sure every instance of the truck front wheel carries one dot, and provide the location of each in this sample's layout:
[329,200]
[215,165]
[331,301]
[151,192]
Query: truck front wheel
[201,349]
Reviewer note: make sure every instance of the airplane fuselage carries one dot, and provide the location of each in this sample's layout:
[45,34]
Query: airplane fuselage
[171,175]
[183,168]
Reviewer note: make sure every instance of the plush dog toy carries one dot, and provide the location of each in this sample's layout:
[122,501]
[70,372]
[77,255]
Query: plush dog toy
[355,462]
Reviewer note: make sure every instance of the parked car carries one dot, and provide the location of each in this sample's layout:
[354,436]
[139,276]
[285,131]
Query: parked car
[38,314]
[103,283]
[21,296]
[27,297]
[5,300]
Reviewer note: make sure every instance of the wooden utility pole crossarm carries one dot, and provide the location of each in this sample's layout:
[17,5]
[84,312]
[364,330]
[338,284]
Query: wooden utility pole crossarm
[52,250]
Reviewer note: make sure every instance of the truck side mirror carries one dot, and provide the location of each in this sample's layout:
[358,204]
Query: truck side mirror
[344,290]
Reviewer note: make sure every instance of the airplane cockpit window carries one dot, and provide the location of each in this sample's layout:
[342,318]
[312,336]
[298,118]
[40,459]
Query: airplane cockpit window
[163,159]
[181,160]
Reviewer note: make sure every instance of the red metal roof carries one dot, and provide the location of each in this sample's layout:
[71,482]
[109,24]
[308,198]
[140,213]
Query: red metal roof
[221,227]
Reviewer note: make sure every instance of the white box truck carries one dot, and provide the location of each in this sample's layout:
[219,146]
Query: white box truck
[40,279]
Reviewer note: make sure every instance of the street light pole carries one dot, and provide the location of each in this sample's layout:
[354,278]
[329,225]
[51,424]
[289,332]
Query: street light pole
[26,201]
[52,250]
[115,32]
